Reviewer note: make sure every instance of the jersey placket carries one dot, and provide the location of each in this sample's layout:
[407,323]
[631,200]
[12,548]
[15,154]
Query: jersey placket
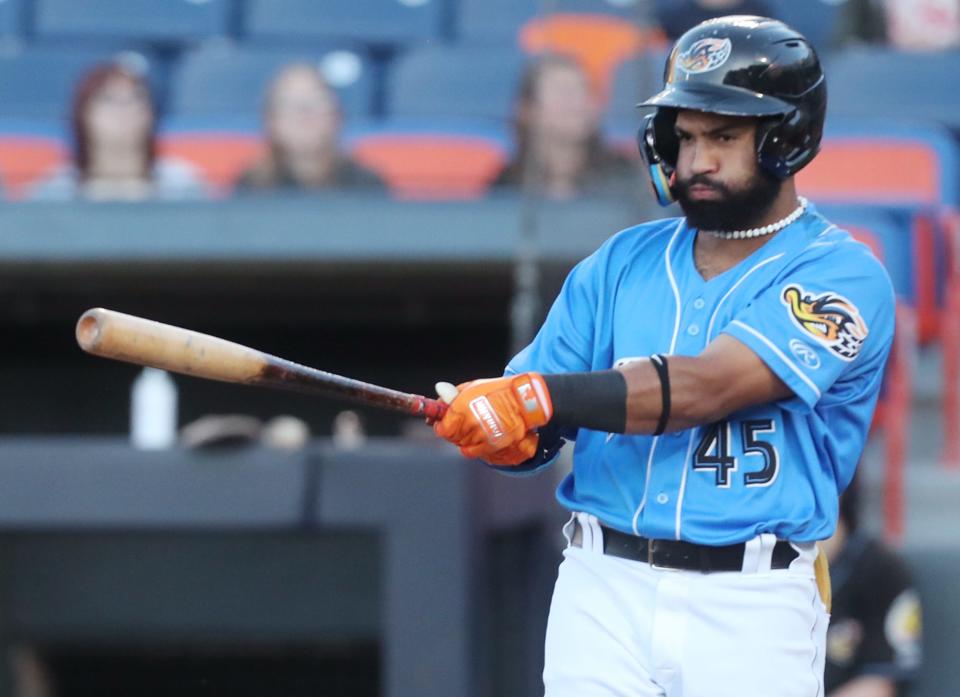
[660,516]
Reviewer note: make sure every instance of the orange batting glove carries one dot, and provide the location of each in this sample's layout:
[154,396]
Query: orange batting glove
[495,419]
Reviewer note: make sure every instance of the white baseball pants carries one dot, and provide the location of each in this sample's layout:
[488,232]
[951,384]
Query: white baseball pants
[620,628]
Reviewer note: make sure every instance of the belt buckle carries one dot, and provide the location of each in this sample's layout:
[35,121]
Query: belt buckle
[650,544]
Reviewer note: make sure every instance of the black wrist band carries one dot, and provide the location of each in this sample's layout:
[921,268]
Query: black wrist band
[595,400]
[659,362]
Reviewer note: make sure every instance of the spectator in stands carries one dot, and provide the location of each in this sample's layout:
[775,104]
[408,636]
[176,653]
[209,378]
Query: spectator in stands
[923,25]
[559,151]
[909,25]
[874,638]
[113,124]
[676,17]
[302,121]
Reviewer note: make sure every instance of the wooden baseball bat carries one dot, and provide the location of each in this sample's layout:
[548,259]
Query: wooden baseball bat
[142,341]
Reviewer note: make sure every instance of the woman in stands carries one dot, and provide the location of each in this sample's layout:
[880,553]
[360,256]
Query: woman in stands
[302,122]
[559,151]
[114,145]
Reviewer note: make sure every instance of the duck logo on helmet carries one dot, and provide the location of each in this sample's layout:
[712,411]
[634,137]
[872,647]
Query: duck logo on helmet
[705,55]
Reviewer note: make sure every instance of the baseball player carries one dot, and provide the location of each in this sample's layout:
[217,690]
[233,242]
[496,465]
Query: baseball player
[718,373]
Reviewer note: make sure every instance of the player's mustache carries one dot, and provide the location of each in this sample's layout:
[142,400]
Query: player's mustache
[683,185]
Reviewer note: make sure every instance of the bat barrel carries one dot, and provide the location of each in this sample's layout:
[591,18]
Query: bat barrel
[131,339]
[141,341]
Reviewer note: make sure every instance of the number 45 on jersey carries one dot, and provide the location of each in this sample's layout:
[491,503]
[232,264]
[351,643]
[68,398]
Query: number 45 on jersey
[714,452]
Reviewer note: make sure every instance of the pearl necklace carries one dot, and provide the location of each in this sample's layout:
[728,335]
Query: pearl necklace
[766,229]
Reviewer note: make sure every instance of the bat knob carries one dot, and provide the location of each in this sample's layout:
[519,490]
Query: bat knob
[88,328]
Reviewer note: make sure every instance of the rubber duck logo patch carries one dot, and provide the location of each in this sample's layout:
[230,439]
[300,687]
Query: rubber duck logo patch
[829,318]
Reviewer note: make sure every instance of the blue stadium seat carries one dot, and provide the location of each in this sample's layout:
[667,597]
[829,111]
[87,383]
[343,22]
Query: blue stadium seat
[11,19]
[370,21]
[815,19]
[633,81]
[501,19]
[455,81]
[222,83]
[874,82]
[38,83]
[140,20]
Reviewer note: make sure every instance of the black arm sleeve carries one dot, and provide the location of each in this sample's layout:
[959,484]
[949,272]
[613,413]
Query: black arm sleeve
[595,400]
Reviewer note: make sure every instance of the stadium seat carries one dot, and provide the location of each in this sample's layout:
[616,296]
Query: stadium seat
[894,165]
[502,20]
[633,81]
[463,81]
[872,82]
[815,19]
[448,160]
[369,21]
[224,82]
[137,20]
[599,42]
[29,151]
[11,19]
[220,156]
[912,169]
[38,83]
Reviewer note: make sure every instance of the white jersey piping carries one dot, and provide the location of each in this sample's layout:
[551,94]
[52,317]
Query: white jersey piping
[734,287]
[790,364]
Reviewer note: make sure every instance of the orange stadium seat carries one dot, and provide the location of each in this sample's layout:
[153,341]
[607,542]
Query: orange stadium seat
[873,169]
[433,166]
[600,42]
[895,166]
[26,159]
[219,157]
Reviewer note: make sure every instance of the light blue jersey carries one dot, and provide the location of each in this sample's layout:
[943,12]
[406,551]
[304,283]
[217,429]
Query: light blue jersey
[817,308]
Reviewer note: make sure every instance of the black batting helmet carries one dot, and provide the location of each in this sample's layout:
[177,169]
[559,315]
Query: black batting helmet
[740,66]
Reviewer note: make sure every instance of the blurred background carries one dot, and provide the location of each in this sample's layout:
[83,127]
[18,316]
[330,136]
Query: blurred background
[391,190]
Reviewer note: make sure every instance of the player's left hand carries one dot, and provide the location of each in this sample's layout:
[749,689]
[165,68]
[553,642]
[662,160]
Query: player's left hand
[495,419]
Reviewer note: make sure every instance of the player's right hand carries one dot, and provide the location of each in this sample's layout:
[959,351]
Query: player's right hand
[495,420]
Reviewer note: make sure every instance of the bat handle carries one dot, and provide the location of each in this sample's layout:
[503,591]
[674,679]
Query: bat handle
[431,409]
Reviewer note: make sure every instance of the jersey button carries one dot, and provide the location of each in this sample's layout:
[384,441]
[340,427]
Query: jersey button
[699,303]
[693,329]
[662,498]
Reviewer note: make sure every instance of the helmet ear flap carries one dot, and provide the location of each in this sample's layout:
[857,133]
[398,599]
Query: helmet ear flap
[658,148]
[787,144]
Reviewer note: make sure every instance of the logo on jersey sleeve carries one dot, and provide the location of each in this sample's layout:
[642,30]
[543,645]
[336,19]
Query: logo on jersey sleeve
[829,318]
[805,353]
[705,55]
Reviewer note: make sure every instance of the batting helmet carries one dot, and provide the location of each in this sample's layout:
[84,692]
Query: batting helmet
[740,66]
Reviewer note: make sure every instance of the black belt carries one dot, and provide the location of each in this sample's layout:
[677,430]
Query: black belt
[677,554]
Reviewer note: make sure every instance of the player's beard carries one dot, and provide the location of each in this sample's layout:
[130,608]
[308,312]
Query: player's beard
[735,209]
